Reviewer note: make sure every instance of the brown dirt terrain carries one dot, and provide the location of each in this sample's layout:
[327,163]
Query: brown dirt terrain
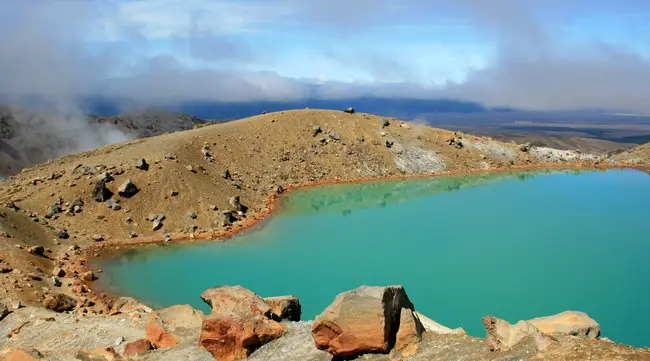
[185,181]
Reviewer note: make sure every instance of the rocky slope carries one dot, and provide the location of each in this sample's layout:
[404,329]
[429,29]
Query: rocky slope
[31,137]
[210,182]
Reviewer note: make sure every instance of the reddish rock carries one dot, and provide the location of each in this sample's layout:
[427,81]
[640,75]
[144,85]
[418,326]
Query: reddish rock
[409,334]
[285,307]
[22,355]
[364,320]
[236,300]
[233,338]
[136,347]
[169,326]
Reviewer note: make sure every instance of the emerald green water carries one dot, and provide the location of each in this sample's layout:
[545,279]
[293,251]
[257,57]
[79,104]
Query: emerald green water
[514,245]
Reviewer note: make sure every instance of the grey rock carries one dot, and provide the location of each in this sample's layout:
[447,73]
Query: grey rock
[316,130]
[37,250]
[106,177]
[53,210]
[226,174]
[63,234]
[349,110]
[385,123]
[100,192]
[157,224]
[235,203]
[142,164]
[128,189]
[333,135]
[192,215]
[113,204]
[56,282]
[173,194]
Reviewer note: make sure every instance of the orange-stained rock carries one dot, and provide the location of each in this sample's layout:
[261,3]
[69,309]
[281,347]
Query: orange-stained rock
[285,307]
[409,335]
[22,355]
[167,327]
[364,320]
[234,338]
[235,300]
[136,347]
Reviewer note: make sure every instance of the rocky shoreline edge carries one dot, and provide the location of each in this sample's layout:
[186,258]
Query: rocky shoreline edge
[80,261]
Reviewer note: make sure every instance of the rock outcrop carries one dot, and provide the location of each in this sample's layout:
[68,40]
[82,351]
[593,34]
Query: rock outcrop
[367,320]
[240,323]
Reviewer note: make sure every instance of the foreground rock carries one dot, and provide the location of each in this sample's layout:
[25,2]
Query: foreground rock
[170,326]
[367,320]
[240,323]
[543,331]
[501,335]
[59,303]
[568,323]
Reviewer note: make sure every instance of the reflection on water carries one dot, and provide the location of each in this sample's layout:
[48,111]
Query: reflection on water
[347,197]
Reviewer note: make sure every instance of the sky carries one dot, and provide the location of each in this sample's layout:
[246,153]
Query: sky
[518,53]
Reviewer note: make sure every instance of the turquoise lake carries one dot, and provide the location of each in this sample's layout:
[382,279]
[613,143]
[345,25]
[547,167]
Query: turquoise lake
[514,245]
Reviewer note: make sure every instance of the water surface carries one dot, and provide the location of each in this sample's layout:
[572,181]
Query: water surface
[514,245]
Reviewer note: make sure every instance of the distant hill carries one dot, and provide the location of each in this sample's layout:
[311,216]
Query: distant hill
[29,137]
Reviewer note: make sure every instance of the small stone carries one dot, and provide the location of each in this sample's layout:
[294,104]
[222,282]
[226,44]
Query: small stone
[100,193]
[389,144]
[56,282]
[333,135]
[142,164]
[128,189]
[226,174]
[316,130]
[88,276]
[136,347]
[349,110]
[37,250]
[385,123]
[157,224]
[192,215]
[106,177]
[133,234]
[119,341]
[173,194]
[58,272]
[190,168]
[97,238]
[113,204]
[213,207]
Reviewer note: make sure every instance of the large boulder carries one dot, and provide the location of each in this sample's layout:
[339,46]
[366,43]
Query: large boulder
[236,301]
[240,323]
[364,320]
[234,338]
[568,323]
[170,326]
[501,335]
[285,307]
[59,303]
